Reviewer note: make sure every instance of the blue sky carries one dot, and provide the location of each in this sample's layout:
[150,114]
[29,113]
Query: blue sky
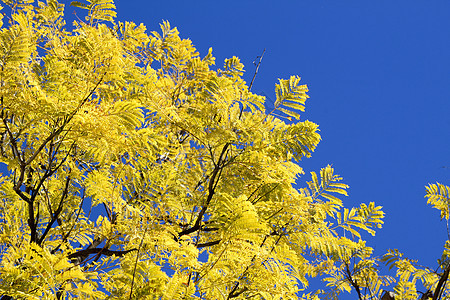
[379,79]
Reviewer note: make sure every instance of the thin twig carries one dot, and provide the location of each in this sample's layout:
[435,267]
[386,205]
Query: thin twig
[257,68]
[214,179]
[55,216]
[137,258]
[253,79]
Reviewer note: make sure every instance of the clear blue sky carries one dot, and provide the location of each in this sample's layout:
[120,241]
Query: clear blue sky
[379,79]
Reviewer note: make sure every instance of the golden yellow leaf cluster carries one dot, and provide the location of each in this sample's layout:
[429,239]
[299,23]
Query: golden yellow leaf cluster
[137,171]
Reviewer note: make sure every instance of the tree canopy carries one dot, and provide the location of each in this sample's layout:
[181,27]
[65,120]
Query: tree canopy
[137,170]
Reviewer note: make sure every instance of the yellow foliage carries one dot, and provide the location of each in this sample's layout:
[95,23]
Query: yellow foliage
[137,171]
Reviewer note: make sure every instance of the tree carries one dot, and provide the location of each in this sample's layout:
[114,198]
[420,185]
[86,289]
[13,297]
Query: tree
[137,171]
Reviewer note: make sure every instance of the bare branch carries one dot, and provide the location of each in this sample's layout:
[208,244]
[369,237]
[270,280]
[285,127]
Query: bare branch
[257,69]
[253,79]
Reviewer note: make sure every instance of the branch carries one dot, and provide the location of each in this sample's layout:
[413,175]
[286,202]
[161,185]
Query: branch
[265,194]
[441,282]
[234,294]
[208,244]
[55,216]
[61,128]
[137,259]
[14,146]
[66,235]
[253,79]
[207,229]
[32,222]
[257,68]
[352,282]
[211,190]
[22,164]
[106,252]
[48,139]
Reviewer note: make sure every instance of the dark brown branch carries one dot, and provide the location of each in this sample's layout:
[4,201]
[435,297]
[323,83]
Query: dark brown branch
[64,239]
[44,143]
[234,293]
[265,194]
[21,194]
[14,146]
[254,192]
[427,295]
[442,280]
[211,190]
[31,222]
[55,216]
[275,213]
[49,171]
[233,290]
[22,165]
[208,244]
[353,282]
[206,229]
[107,252]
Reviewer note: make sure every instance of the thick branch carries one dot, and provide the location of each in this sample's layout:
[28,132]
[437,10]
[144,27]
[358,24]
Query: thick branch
[234,293]
[442,280]
[107,252]
[32,222]
[353,282]
[208,244]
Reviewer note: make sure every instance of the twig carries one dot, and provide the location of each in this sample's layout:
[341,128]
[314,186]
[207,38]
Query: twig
[253,79]
[265,194]
[257,68]
[55,216]
[233,293]
[137,258]
[214,180]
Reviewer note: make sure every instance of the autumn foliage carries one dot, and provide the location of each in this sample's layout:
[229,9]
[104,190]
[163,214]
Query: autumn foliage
[136,170]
